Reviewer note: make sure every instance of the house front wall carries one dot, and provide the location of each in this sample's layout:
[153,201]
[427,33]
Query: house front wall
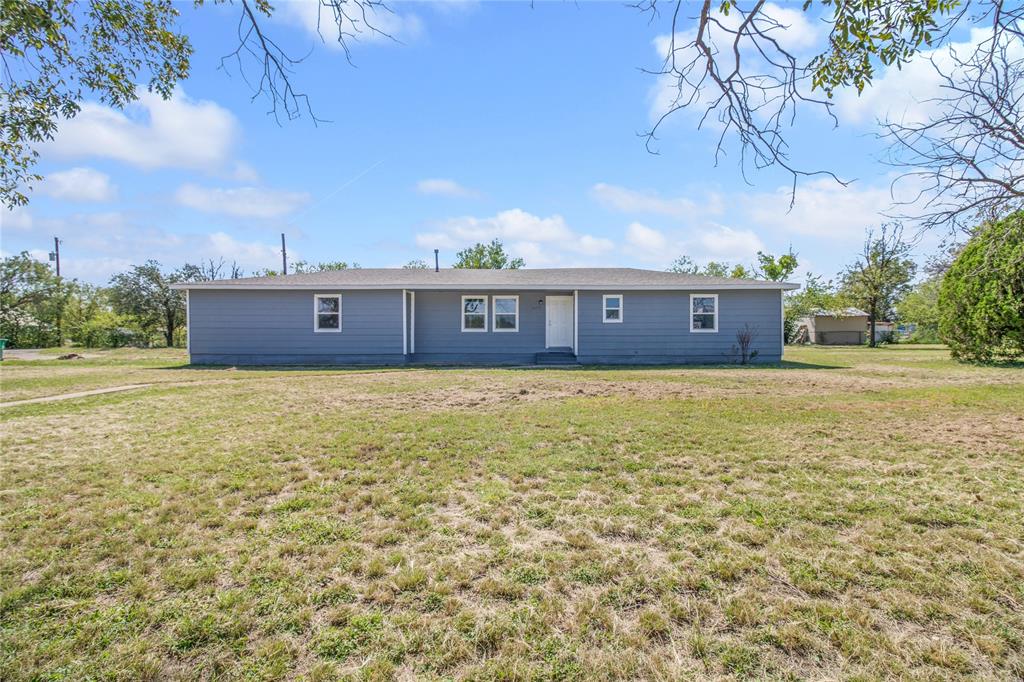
[655,328]
[275,327]
[254,327]
[439,338]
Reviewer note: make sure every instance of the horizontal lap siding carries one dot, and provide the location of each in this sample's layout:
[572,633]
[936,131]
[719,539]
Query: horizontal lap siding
[254,327]
[655,327]
[439,335]
[280,323]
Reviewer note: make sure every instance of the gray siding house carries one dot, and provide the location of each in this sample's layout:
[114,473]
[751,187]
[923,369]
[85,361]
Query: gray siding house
[449,316]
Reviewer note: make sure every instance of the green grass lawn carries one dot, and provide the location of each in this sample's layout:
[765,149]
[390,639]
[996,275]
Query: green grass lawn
[853,514]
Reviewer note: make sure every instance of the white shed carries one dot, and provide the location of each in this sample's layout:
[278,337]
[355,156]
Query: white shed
[848,327]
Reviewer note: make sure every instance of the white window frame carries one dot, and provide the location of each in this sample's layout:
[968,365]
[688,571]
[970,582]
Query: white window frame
[604,308]
[462,312]
[703,331]
[316,314]
[494,314]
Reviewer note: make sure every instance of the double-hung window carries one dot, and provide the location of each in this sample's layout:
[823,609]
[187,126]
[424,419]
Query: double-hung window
[703,312]
[612,308]
[474,313]
[506,314]
[327,313]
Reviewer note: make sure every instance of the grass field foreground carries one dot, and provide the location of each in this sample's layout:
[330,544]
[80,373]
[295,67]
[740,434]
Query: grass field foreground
[853,514]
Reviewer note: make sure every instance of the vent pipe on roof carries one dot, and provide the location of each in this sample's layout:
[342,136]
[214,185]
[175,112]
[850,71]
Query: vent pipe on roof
[437,267]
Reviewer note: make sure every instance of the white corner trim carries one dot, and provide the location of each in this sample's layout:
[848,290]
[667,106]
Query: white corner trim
[412,324]
[405,325]
[316,313]
[462,313]
[494,313]
[604,308]
[703,331]
[782,323]
[576,321]
[188,323]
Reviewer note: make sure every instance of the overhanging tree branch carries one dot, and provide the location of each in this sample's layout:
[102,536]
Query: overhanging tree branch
[736,70]
[349,20]
[967,155]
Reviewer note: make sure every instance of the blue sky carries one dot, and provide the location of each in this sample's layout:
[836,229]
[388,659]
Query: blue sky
[486,120]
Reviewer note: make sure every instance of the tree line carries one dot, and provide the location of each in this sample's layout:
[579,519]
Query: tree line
[138,307]
[971,297]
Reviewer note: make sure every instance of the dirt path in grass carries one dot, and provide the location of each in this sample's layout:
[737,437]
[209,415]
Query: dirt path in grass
[76,394]
[172,384]
[477,389]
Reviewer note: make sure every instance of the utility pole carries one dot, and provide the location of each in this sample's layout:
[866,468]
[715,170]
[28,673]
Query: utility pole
[284,256]
[55,257]
[55,254]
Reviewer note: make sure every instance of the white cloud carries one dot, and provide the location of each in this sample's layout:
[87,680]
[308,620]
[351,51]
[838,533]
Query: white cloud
[240,202]
[17,218]
[726,243]
[514,224]
[904,94]
[154,133]
[796,33]
[454,6]
[255,254]
[710,242]
[445,188]
[366,24]
[541,241]
[97,245]
[637,201]
[78,184]
[646,239]
[823,208]
[243,172]
[590,245]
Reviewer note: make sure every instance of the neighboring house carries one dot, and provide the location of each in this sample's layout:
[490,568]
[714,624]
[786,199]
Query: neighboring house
[399,316]
[884,331]
[841,327]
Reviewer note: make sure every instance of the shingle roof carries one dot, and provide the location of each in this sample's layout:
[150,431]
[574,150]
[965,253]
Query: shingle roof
[450,278]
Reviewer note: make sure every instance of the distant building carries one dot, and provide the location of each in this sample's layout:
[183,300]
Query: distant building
[848,327]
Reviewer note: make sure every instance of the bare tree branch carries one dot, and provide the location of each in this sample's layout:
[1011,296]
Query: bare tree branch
[349,21]
[734,71]
[967,157]
[737,71]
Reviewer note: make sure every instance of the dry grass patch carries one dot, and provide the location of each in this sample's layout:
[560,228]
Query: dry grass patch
[486,524]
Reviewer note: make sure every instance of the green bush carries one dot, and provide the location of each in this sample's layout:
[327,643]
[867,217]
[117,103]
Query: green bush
[109,330]
[921,308]
[22,329]
[924,335]
[981,302]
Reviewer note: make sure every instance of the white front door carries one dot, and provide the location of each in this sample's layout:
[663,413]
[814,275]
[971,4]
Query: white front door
[558,313]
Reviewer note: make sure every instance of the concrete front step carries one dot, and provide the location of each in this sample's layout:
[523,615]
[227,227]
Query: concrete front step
[555,358]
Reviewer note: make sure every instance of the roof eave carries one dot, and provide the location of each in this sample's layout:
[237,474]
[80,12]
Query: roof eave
[772,286]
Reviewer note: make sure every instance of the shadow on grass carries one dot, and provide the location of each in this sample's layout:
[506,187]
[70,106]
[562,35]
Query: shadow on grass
[785,364]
